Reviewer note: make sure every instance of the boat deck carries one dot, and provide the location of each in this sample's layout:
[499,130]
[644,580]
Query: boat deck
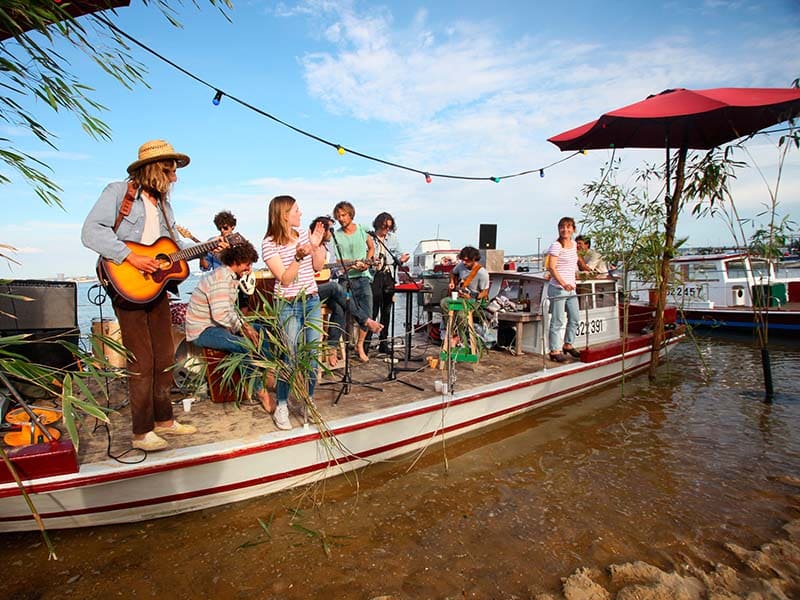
[227,421]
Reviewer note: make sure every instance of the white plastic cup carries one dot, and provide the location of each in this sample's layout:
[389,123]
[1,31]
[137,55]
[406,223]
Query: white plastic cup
[444,387]
[187,404]
[454,295]
[437,385]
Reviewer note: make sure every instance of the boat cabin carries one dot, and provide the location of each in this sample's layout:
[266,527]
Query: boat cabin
[597,300]
[726,281]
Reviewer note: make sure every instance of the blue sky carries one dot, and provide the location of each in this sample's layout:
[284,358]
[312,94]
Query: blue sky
[442,86]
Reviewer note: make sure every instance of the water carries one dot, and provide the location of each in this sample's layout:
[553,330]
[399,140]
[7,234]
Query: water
[667,474]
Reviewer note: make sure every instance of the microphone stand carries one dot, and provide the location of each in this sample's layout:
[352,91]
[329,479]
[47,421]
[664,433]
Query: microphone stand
[392,376]
[346,381]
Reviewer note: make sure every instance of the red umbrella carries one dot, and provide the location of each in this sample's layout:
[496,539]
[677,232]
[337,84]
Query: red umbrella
[699,119]
[680,118]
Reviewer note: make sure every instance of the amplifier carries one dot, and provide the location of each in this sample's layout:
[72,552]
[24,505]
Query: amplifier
[38,304]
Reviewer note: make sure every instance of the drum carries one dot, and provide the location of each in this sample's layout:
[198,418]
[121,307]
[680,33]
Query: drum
[265,286]
[108,328]
[188,363]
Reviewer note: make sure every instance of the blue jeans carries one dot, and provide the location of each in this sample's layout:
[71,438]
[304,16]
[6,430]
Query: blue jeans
[361,300]
[301,317]
[332,294]
[219,338]
[562,303]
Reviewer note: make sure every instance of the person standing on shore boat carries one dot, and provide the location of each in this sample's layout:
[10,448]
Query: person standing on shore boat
[211,317]
[387,248]
[293,255]
[564,262]
[355,244]
[146,328]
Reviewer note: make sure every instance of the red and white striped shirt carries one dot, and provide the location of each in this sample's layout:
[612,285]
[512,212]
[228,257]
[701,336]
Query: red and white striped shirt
[305,276]
[566,262]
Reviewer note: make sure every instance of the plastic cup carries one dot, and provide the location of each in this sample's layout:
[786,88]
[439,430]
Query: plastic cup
[187,404]
[437,385]
[454,295]
[444,387]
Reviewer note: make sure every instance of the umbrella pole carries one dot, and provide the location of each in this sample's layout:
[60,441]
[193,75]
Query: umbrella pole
[673,203]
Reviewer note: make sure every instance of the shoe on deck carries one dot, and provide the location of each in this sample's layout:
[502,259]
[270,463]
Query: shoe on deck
[176,429]
[150,443]
[281,417]
[558,357]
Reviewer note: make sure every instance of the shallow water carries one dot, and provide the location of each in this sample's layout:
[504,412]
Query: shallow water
[666,473]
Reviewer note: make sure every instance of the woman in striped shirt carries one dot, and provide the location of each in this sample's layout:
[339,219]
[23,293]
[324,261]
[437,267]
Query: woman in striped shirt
[293,255]
[563,264]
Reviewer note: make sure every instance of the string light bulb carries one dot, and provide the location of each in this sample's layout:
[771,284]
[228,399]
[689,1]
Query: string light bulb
[584,152]
[541,172]
[217,98]
[428,178]
[496,179]
[340,150]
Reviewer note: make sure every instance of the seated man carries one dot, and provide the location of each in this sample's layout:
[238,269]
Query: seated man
[592,258]
[211,317]
[335,298]
[468,279]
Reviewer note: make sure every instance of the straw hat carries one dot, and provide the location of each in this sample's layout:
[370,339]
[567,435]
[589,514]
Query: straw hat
[158,150]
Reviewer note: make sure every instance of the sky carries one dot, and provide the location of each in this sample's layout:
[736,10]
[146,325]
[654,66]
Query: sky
[455,87]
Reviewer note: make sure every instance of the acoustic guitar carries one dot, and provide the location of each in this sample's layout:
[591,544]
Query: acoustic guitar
[131,284]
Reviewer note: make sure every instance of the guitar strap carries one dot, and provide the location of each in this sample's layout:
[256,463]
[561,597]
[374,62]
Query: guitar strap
[475,268]
[127,204]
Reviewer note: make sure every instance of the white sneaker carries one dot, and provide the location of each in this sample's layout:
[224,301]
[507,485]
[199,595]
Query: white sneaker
[281,417]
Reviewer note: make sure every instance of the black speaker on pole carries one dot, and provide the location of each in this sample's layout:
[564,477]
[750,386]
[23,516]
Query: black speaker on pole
[487,240]
[47,311]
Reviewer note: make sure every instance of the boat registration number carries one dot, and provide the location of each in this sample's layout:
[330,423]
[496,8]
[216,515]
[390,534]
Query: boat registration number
[588,327]
[686,291]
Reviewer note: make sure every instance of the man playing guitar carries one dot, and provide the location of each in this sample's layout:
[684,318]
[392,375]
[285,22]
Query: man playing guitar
[139,211]
[469,280]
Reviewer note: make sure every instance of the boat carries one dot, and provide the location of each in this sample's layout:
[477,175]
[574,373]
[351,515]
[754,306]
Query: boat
[725,291]
[433,256]
[238,453]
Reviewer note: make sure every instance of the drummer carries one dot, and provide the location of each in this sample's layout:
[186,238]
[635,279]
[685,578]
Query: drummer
[212,320]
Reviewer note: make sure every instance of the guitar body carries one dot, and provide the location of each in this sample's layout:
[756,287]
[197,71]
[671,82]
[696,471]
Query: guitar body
[137,287]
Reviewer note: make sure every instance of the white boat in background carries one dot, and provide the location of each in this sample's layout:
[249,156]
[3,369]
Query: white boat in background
[433,256]
[725,290]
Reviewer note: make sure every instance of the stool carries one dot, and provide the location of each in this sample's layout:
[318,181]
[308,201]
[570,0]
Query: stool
[460,354]
[219,390]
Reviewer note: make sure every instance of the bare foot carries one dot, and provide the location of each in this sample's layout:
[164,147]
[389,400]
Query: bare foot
[333,357]
[362,356]
[373,326]
[267,401]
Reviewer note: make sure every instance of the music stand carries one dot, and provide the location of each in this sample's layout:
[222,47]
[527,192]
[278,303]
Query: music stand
[392,376]
[346,382]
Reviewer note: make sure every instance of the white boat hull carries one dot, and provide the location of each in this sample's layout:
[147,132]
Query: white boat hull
[187,479]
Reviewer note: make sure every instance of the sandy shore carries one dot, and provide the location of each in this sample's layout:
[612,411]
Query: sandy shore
[770,571]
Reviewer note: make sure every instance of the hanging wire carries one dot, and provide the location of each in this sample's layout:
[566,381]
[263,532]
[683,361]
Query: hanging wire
[218,94]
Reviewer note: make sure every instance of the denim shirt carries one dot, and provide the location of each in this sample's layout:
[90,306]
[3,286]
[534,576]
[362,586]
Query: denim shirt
[98,229]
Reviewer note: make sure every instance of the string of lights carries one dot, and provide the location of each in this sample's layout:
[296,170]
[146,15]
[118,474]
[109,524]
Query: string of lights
[220,94]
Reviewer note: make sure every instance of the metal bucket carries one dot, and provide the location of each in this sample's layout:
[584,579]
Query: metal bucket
[108,328]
